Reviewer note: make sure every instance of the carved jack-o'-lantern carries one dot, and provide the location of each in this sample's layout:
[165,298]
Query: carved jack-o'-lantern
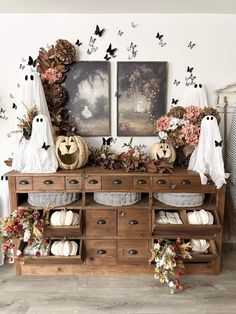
[71,152]
[163,151]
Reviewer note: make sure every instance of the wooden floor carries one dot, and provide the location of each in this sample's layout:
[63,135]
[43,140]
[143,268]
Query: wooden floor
[119,294]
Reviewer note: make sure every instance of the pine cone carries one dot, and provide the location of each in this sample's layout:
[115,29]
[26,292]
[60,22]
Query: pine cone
[65,51]
[177,112]
[56,95]
[209,111]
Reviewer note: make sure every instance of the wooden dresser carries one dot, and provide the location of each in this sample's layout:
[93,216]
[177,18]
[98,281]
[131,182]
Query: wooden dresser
[117,240]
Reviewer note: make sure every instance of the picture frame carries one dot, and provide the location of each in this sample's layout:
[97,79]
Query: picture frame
[141,96]
[88,87]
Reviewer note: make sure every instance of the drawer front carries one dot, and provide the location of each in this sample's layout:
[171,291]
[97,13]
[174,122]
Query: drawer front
[117,183]
[50,183]
[73,183]
[160,182]
[184,183]
[92,183]
[23,183]
[141,183]
[133,222]
[101,252]
[101,223]
[133,252]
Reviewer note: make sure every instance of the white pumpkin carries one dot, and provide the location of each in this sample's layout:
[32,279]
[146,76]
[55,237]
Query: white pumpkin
[199,245]
[201,217]
[163,151]
[64,248]
[64,218]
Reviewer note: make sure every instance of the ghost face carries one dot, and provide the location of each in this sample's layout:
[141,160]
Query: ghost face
[41,131]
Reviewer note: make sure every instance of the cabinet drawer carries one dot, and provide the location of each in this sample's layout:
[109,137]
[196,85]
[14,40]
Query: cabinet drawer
[160,182]
[73,183]
[100,223]
[133,222]
[133,251]
[23,183]
[50,183]
[141,183]
[92,183]
[117,183]
[100,252]
[183,183]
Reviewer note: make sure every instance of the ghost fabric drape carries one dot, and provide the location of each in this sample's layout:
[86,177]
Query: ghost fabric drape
[40,153]
[196,96]
[207,156]
[231,158]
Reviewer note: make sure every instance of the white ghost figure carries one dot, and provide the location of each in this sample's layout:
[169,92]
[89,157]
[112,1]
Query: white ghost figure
[40,153]
[140,107]
[86,113]
[33,94]
[20,147]
[196,96]
[207,156]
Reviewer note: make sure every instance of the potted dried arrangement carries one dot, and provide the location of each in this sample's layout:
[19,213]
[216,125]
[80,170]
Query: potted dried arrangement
[24,224]
[169,256]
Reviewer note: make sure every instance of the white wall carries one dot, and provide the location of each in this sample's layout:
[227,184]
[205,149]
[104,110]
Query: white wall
[213,57]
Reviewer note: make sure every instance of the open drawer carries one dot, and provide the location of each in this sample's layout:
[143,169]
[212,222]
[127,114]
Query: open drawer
[185,229]
[51,259]
[210,256]
[64,231]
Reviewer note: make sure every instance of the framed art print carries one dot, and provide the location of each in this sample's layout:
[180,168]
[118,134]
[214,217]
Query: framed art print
[87,84]
[141,97]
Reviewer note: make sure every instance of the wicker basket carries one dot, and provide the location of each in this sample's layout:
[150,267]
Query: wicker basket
[180,199]
[117,198]
[55,199]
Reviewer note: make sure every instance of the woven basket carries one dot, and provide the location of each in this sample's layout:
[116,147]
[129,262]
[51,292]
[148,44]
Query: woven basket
[55,199]
[117,198]
[180,199]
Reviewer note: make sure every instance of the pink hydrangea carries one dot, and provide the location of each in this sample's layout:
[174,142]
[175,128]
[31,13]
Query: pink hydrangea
[52,75]
[162,123]
[190,133]
[192,113]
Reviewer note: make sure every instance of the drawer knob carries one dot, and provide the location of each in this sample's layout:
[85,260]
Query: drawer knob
[185,182]
[142,181]
[93,181]
[73,181]
[101,252]
[133,251]
[133,222]
[161,181]
[23,182]
[101,222]
[48,182]
[117,181]
[173,186]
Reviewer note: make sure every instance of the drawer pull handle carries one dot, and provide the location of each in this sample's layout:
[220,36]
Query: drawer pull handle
[185,182]
[23,182]
[93,181]
[48,182]
[161,181]
[101,252]
[133,222]
[142,181]
[210,182]
[133,252]
[117,181]
[101,222]
[73,181]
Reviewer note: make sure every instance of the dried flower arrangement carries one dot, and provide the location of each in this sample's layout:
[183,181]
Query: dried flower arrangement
[181,128]
[133,160]
[52,66]
[169,256]
[24,223]
[25,124]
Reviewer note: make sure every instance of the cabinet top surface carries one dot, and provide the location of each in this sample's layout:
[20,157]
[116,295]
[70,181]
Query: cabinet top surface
[99,171]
